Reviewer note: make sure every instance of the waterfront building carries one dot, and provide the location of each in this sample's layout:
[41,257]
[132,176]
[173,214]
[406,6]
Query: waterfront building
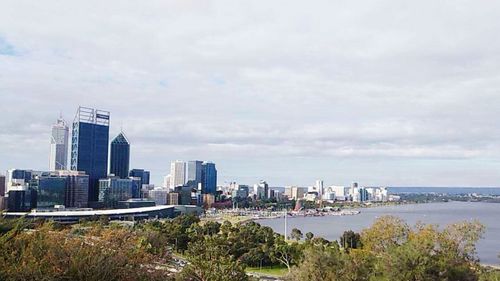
[177,173]
[298,192]
[89,146]
[319,188]
[194,172]
[209,178]
[58,159]
[120,156]
[140,173]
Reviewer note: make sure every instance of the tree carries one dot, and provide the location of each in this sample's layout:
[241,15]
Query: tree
[209,260]
[350,240]
[288,254]
[309,236]
[296,234]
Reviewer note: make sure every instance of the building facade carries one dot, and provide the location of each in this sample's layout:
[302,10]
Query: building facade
[120,156]
[58,159]
[177,173]
[209,178]
[89,146]
[140,173]
[194,172]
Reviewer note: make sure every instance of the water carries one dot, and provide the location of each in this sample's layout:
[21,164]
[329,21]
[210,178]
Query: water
[332,227]
[447,190]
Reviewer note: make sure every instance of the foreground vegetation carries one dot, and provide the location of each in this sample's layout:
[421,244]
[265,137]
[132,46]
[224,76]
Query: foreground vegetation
[389,250]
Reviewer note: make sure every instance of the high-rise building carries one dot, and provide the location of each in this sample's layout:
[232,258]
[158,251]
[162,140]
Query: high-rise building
[209,178]
[120,156]
[59,146]
[167,181]
[193,172]
[319,188]
[140,173]
[89,146]
[2,185]
[177,173]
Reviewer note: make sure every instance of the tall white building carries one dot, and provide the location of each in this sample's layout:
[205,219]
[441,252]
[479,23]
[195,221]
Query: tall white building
[177,173]
[166,181]
[59,146]
[319,188]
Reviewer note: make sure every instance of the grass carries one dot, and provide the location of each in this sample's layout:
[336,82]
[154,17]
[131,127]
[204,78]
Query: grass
[275,271]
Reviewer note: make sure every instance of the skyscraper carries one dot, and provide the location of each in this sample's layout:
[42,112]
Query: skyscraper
[209,178]
[89,147]
[193,172]
[59,146]
[177,173]
[120,156]
[140,173]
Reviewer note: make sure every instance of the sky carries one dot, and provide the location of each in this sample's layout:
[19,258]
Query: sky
[394,93]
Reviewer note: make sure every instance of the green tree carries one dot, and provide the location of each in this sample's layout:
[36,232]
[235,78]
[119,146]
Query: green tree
[296,234]
[350,240]
[210,260]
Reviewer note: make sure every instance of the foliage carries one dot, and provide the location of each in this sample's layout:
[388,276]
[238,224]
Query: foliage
[49,253]
[350,240]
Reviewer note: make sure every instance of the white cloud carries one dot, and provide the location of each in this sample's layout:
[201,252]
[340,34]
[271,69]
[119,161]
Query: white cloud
[263,88]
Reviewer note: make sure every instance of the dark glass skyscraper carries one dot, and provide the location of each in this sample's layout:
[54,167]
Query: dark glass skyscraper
[89,146]
[140,173]
[120,156]
[209,178]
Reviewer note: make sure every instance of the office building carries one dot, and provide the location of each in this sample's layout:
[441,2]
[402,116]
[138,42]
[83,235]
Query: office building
[208,200]
[261,190]
[173,198]
[166,181]
[209,178]
[21,200]
[177,174]
[120,156]
[240,191]
[194,172]
[297,192]
[113,189]
[89,146]
[3,184]
[51,190]
[58,159]
[140,173]
[319,188]
[77,189]
[159,196]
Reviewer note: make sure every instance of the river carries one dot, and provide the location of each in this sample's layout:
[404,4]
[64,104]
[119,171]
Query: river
[332,227]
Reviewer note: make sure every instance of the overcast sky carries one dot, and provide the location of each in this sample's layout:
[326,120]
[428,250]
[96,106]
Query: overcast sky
[397,93]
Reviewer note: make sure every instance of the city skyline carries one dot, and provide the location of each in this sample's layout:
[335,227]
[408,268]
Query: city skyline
[349,94]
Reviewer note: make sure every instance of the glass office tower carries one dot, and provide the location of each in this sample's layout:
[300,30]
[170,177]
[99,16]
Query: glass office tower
[89,147]
[193,172]
[140,173]
[209,178]
[120,156]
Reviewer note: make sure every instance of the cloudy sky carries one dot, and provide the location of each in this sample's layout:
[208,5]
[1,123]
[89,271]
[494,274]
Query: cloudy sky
[398,93]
